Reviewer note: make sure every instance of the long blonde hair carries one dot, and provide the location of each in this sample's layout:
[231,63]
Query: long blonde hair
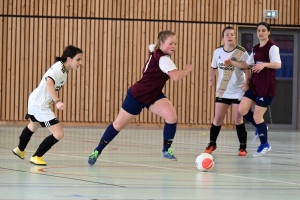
[161,37]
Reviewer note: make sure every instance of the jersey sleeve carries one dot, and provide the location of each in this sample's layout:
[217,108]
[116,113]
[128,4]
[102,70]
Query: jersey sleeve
[274,54]
[53,73]
[166,64]
[250,59]
[245,56]
[214,62]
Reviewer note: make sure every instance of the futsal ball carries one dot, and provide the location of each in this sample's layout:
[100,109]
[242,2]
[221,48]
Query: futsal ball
[204,162]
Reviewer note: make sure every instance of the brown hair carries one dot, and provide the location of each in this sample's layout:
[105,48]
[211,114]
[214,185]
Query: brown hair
[267,26]
[227,28]
[162,36]
[69,51]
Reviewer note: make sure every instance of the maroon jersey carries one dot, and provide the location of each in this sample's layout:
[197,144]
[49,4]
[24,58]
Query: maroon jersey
[263,83]
[148,88]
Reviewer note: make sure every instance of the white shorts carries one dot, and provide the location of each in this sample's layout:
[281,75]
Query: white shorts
[42,114]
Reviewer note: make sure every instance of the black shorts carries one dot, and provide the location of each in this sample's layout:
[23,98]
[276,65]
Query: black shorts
[262,101]
[134,106]
[227,101]
[43,124]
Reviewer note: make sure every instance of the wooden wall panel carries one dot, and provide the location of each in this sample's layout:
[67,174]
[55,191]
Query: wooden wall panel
[114,36]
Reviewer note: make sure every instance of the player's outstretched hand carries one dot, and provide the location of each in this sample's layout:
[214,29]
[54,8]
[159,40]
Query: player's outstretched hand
[60,106]
[189,67]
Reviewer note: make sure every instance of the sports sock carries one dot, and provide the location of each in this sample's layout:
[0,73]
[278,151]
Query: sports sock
[169,134]
[47,143]
[24,138]
[249,118]
[214,133]
[263,132]
[242,135]
[109,134]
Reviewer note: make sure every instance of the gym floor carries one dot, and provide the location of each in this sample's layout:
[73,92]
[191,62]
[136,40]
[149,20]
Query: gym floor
[131,167]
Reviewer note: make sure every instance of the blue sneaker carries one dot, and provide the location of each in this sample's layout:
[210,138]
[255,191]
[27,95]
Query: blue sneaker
[262,149]
[93,157]
[256,134]
[169,155]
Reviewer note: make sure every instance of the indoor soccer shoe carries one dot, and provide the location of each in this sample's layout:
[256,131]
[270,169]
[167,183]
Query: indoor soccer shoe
[19,153]
[93,157]
[168,155]
[210,148]
[262,149]
[242,152]
[37,160]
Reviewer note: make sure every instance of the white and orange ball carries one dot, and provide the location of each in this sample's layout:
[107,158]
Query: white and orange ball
[204,162]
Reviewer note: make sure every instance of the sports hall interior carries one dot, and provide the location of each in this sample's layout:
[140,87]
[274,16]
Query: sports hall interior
[114,36]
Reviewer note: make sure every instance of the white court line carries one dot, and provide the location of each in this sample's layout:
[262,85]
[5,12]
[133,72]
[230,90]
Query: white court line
[183,170]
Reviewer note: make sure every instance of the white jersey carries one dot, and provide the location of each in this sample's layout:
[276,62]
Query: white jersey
[231,79]
[40,99]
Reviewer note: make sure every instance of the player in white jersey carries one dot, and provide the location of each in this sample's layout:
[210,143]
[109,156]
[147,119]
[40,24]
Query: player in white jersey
[39,112]
[230,88]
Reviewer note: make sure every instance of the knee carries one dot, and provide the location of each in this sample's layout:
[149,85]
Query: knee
[59,135]
[238,120]
[171,119]
[33,126]
[218,120]
[258,119]
[118,126]
[243,111]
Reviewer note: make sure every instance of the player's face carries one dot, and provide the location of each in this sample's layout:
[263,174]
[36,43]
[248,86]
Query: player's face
[75,62]
[169,45]
[229,37]
[262,32]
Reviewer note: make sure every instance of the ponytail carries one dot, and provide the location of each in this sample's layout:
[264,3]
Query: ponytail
[270,37]
[69,51]
[157,46]
[58,59]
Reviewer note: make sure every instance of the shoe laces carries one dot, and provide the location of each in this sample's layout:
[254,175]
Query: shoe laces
[94,154]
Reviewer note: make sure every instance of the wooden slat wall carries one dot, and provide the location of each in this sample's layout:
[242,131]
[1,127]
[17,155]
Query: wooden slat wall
[114,36]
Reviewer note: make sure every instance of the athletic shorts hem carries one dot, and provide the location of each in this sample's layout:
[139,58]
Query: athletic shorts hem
[43,124]
[227,101]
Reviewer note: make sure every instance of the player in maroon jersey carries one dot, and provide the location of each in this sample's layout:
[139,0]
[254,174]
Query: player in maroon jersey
[264,59]
[147,93]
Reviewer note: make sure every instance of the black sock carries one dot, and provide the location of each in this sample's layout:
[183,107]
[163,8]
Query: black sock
[24,138]
[47,143]
[214,133]
[242,135]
